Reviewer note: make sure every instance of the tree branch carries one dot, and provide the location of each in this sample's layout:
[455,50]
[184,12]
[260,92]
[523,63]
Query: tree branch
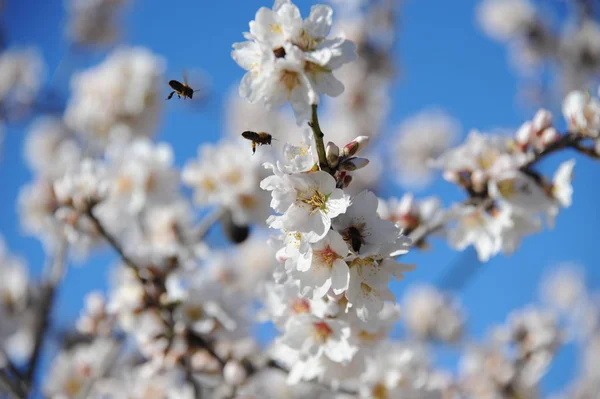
[46,301]
[319,143]
[112,241]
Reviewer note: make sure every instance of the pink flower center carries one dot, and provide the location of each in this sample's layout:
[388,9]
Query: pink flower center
[327,256]
[322,331]
[300,306]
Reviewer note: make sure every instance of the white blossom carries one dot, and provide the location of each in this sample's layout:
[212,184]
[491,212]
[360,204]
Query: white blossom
[92,22]
[582,112]
[505,19]
[323,268]
[72,370]
[290,59]
[308,202]
[218,178]
[120,97]
[22,72]
[429,314]
[49,149]
[420,139]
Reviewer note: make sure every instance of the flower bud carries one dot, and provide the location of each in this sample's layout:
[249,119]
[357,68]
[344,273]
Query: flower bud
[333,154]
[542,120]
[234,373]
[549,136]
[524,133]
[354,163]
[355,146]
[347,180]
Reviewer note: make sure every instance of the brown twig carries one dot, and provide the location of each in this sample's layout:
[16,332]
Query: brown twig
[112,241]
[319,143]
[46,301]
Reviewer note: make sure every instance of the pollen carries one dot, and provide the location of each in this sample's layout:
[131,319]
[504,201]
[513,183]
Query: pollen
[290,79]
[194,313]
[124,184]
[369,337]
[248,201]
[275,28]
[300,306]
[487,159]
[322,331]
[316,200]
[507,188]
[208,184]
[379,391]
[365,289]
[327,256]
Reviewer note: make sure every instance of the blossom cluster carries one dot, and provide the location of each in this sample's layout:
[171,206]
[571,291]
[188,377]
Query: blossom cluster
[534,41]
[317,252]
[291,59]
[507,196]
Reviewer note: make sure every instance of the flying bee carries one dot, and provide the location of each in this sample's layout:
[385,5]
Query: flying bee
[260,138]
[181,89]
[353,235]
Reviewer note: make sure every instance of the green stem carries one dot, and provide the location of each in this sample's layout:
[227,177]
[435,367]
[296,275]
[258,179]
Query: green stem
[318,134]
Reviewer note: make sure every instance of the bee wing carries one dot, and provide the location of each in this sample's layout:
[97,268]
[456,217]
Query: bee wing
[249,135]
[185,77]
[176,85]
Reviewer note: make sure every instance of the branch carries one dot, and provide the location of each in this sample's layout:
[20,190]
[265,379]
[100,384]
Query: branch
[112,241]
[568,140]
[13,389]
[207,223]
[318,135]
[46,301]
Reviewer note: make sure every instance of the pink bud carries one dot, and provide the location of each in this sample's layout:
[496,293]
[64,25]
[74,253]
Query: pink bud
[351,164]
[355,146]
[332,152]
[542,120]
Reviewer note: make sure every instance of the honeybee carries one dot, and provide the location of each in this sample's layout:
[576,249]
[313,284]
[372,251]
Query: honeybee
[181,89]
[353,235]
[260,138]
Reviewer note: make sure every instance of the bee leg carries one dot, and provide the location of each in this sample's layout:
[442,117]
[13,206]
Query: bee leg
[253,147]
[170,95]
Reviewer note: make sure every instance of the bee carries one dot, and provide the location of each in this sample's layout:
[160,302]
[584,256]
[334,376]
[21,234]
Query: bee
[181,89]
[353,235]
[260,138]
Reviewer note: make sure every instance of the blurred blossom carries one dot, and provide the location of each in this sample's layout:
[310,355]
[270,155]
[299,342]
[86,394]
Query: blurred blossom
[73,369]
[403,370]
[21,77]
[121,97]
[142,382]
[50,149]
[16,315]
[505,19]
[93,22]
[580,53]
[564,288]
[429,314]
[227,174]
[419,139]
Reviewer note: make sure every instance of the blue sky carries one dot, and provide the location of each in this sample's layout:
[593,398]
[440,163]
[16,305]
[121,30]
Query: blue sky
[444,61]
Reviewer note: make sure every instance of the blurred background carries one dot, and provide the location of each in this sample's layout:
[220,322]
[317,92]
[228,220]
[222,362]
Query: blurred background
[442,60]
